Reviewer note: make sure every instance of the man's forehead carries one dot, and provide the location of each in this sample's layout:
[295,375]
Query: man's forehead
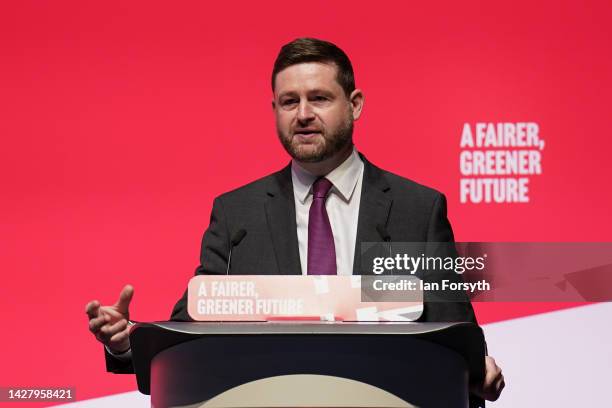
[307,76]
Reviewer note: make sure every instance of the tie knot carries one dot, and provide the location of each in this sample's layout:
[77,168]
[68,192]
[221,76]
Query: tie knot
[321,187]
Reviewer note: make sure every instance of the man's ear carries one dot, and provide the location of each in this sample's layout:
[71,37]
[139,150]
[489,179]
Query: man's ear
[356,100]
[273,104]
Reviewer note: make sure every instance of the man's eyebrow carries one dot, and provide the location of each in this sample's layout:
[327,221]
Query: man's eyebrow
[320,92]
[287,93]
[316,91]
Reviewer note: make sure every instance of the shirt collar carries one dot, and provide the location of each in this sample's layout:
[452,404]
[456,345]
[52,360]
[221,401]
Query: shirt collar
[344,178]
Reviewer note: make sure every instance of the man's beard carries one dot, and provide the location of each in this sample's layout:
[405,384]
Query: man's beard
[330,146]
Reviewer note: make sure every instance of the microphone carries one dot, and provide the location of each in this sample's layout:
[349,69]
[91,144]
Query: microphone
[384,234]
[236,238]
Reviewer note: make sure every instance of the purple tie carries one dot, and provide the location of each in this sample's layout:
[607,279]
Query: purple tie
[321,248]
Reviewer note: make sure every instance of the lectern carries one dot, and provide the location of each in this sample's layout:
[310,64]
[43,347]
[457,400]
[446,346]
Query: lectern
[307,364]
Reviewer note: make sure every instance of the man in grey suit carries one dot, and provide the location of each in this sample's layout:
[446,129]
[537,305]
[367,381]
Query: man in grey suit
[312,216]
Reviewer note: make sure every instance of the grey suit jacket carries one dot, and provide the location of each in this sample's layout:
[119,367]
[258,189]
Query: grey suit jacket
[265,209]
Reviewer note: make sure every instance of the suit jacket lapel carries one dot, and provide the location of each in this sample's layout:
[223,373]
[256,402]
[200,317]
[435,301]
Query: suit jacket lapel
[280,215]
[374,209]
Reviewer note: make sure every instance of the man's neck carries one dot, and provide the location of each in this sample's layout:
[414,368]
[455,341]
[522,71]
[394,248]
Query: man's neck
[326,166]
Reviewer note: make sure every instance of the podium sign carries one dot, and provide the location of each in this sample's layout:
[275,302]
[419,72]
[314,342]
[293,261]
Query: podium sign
[267,298]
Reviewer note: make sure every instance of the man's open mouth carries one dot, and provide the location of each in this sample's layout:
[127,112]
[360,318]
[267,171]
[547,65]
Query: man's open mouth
[307,133]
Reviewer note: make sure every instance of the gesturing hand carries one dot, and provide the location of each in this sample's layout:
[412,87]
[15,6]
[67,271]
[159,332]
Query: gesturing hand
[109,324]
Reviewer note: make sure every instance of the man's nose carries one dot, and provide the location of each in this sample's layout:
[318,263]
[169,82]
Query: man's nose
[305,112]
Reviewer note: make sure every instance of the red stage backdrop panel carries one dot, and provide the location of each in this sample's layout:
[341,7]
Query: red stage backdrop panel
[121,121]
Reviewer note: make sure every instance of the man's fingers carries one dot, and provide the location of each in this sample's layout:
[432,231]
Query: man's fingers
[120,337]
[109,324]
[495,391]
[493,383]
[494,380]
[501,383]
[113,314]
[117,327]
[125,297]
[492,377]
[96,323]
[107,331]
[92,309]
[493,372]
[120,341]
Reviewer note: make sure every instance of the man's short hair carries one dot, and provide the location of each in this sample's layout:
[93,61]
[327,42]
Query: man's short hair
[303,50]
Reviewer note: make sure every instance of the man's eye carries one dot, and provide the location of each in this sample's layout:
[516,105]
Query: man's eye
[287,102]
[320,98]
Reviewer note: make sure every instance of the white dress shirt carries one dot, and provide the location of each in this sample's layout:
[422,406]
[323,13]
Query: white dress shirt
[342,207]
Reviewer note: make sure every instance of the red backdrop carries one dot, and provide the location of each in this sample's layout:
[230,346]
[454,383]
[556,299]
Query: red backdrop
[121,121]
